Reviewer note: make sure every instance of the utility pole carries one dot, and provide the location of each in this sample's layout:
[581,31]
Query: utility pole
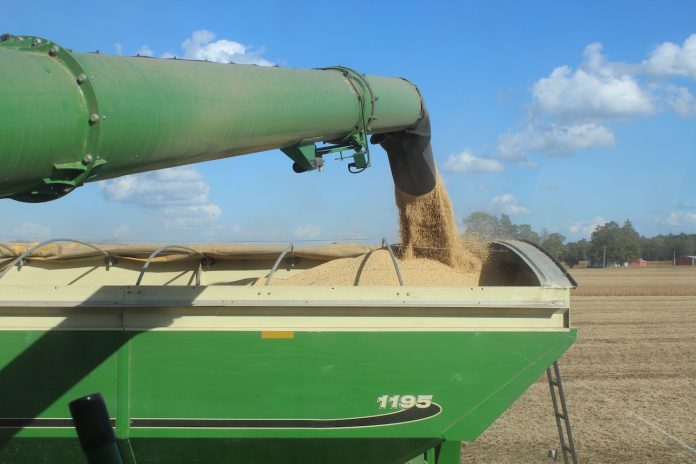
[674,257]
[604,256]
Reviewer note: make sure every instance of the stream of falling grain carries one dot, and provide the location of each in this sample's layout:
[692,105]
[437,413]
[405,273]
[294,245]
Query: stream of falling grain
[428,230]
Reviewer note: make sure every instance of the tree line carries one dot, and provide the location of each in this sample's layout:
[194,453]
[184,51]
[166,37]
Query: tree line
[610,243]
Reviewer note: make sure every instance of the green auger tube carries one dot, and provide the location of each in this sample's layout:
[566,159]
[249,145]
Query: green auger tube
[71,118]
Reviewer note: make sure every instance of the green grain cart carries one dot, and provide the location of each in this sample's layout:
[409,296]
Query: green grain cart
[195,364]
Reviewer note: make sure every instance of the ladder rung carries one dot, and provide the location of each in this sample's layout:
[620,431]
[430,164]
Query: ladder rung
[567,448]
[560,415]
[553,382]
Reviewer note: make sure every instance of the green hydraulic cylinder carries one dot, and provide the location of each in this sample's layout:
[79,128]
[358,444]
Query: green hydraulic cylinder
[70,118]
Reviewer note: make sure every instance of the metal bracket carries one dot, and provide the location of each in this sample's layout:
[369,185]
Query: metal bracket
[357,142]
[65,178]
[308,156]
[303,155]
[73,174]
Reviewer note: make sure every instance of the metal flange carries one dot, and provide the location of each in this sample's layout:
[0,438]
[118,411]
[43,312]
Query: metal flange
[66,176]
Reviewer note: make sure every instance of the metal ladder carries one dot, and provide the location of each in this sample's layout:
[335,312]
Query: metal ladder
[565,434]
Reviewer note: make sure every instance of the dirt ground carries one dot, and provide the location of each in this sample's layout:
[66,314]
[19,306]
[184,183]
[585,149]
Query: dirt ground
[650,281]
[630,380]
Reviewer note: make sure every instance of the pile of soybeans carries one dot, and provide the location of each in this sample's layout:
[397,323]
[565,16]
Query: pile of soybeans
[431,252]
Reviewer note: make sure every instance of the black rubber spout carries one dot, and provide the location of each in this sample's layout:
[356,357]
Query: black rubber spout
[411,157]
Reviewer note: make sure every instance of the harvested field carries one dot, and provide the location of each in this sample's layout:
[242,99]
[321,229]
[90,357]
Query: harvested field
[650,281]
[630,379]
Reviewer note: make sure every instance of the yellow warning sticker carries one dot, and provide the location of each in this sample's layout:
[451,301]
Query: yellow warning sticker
[277,334]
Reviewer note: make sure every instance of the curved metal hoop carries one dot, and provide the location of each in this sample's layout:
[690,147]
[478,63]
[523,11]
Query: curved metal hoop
[110,260]
[157,252]
[290,249]
[393,258]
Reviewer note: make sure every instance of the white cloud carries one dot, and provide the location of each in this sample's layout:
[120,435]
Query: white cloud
[145,50]
[572,107]
[200,46]
[466,162]
[508,204]
[182,185]
[180,193]
[681,100]
[586,228]
[512,145]
[681,218]
[118,48]
[554,140]
[203,46]
[31,231]
[599,90]
[307,232]
[550,187]
[669,58]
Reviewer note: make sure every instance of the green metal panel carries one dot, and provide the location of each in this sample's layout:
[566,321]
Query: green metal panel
[196,377]
[46,450]
[108,116]
[338,375]
[43,371]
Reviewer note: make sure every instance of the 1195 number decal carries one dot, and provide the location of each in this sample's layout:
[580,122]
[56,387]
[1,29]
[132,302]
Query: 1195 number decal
[404,401]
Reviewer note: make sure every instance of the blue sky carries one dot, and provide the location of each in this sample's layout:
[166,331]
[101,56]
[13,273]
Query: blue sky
[561,114]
